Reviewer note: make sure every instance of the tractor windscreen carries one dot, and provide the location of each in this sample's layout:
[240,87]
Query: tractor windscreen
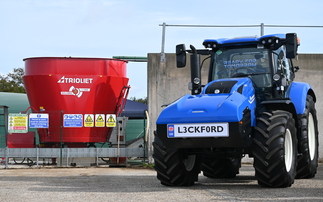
[243,62]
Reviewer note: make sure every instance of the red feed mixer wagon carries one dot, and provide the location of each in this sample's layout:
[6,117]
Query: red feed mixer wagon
[66,87]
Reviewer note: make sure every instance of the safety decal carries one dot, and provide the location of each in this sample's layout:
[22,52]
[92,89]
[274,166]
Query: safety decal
[99,120]
[111,120]
[89,120]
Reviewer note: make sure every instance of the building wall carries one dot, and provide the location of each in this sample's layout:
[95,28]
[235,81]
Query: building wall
[167,83]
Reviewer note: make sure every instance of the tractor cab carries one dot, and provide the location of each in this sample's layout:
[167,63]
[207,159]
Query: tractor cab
[265,60]
[260,65]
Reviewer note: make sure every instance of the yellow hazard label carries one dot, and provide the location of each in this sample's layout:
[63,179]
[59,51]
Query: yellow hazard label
[18,123]
[99,120]
[111,120]
[88,121]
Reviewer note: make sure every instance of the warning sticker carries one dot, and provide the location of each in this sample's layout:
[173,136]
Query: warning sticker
[111,120]
[88,120]
[99,120]
[17,123]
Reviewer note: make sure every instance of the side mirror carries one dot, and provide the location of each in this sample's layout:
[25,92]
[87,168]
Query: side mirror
[291,45]
[180,55]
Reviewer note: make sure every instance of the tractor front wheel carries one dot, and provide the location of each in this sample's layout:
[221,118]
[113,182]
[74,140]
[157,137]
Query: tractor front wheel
[275,149]
[175,167]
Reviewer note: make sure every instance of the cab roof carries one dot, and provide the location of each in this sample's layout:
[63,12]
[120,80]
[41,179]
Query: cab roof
[240,40]
[272,41]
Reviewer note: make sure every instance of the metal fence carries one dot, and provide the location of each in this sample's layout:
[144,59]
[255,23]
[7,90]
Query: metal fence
[66,154]
[127,142]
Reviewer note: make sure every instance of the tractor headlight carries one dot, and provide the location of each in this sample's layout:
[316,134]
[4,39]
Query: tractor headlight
[210,43]
[269,41]
[276,77]
[196,81]
[272,41]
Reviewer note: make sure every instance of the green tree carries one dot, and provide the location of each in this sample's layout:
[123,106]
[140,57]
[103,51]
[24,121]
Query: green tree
[141,100]
[12,82]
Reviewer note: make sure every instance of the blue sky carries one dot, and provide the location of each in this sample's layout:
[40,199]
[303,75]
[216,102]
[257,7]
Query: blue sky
[107,28]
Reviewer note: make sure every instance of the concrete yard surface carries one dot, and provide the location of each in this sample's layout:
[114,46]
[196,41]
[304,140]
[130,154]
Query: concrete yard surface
[141,184]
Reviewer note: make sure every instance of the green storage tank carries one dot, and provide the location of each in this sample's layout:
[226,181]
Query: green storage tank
[16,102]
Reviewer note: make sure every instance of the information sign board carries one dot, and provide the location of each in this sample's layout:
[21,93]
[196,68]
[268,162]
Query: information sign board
[38,120]
[73,120]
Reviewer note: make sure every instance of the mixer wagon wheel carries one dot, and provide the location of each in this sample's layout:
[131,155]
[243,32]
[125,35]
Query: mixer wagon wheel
[275,149]
[17,159]
[308,161]
[213,167]
[174,166]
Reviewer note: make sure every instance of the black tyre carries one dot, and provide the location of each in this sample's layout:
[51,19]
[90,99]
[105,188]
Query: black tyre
[308,161]
[174,166]
[275,149]
[220,167]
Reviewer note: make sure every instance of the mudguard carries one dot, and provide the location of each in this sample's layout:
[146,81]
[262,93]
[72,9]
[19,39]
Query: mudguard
[222,100]
[298,93]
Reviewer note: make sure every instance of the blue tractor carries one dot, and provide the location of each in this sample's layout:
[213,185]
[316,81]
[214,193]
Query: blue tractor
[250,106]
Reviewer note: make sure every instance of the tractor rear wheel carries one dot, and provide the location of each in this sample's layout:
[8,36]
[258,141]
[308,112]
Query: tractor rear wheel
[308,161]
[275,149]
[174,166]
[220,167]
